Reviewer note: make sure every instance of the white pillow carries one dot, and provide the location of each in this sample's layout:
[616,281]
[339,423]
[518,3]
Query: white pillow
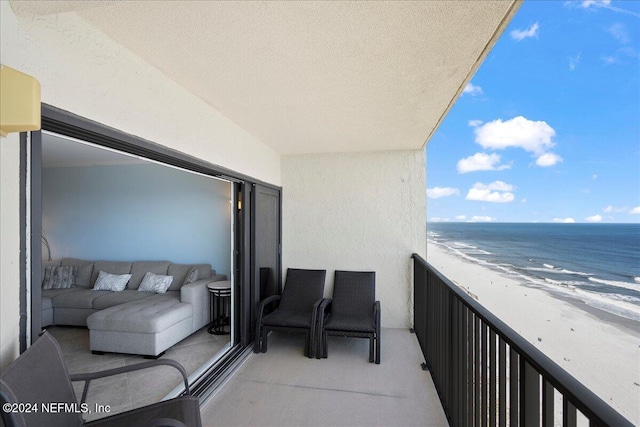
[111,282]
[155,283]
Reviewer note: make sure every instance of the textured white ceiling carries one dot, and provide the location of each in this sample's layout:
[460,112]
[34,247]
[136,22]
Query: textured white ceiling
[309,77]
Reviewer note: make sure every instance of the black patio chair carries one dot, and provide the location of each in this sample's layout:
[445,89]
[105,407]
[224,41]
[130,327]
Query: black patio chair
[39,378]
[296,310]
[352,312]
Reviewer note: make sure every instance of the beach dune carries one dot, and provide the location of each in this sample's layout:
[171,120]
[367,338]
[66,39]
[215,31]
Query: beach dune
[599,349]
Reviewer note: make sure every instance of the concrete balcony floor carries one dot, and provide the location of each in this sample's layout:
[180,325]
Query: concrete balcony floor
[284,388]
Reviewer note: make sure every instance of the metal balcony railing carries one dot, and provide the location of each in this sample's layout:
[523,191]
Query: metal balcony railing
[486,374]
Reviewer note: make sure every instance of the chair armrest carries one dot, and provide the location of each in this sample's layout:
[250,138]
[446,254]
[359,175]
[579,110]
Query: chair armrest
[268,300]
[376,312]
[88,377]
[323,309]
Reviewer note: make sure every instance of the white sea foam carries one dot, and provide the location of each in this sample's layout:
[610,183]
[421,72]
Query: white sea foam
[616,283]
[557,270]
[464,245]
[549,266]
[613,303]
[636,279]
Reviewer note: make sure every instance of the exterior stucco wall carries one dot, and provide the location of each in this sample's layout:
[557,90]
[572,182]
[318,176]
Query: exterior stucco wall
[358,211]
[9,249]
[84,72]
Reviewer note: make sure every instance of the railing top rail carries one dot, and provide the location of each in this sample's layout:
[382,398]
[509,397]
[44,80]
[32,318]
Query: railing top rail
[580,396]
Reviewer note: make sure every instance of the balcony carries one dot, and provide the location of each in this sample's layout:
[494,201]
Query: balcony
[284,388]
[480,373]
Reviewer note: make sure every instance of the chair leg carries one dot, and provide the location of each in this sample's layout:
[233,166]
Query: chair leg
[257,344]
[378,348]
[264,340]
[371,349]
[324,345]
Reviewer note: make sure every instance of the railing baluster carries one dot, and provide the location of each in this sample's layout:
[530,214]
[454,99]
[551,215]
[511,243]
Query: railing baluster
[456,371]
[529,394]
[470,368]
[483,364]
[492,378]
[569,415]
[513,388]
[477,370]
[548,393]
[502,389]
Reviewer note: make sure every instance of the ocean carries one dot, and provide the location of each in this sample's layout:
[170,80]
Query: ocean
[598,264]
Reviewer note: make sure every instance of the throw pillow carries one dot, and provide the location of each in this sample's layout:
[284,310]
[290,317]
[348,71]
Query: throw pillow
[155,283]
[59,277]
[192,276]
[111,282]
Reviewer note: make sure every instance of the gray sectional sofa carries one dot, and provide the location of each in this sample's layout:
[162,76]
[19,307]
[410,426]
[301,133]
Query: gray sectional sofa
[131,321]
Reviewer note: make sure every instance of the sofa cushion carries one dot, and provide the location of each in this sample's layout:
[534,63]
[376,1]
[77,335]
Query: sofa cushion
[46,264]
[85,270]
[155,283]
[180,272]
[46,304]
[112,267]
[111,282]
[51,293]
[140,268]
[116,298]
[204,270]
[150,315]
[83,298]
[59,277]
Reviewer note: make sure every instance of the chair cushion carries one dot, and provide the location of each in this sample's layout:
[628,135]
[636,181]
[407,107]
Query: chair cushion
[285,318]
[350,323]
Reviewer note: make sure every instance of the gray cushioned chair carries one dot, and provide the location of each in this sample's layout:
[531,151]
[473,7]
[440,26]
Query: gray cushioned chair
[352,312]
[39,376]
[297,309]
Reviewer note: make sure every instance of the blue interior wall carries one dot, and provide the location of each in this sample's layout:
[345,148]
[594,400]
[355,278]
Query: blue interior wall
[137,212]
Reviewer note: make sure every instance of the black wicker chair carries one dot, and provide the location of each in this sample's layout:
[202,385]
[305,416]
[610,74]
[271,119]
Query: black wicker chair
[297,309]
[39,380]
[353,312]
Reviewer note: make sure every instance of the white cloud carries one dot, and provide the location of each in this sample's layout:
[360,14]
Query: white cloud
[573,62]
[619,32]
[548,159]
[564,220]
[588,3]
[594,218]
[477,218]
[606,4]
[437,192]
[533,136]
[472,90]
[475,123]
[438,219]
[609,59]
[523,201]
[519,35]
[613,209]
[496,192]
[461,217]
[594,177]
[635,211]
[481,162]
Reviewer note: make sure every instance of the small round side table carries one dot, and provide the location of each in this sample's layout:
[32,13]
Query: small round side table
[220,307]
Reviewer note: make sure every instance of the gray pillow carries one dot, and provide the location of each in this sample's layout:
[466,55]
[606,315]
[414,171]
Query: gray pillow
[111,282]
[59,277]
[192,276]
[155,283]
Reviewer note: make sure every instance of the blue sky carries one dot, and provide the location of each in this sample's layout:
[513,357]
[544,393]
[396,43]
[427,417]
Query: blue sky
[548,130]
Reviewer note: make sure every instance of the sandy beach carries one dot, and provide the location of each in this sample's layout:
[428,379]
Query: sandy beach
[601,350]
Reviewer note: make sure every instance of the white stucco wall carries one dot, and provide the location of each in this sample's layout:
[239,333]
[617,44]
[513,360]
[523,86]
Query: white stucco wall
[358,211]
[9,249]
[84,72]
